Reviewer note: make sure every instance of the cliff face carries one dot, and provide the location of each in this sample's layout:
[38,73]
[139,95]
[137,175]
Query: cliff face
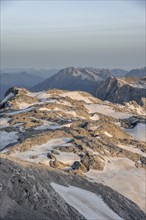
[120,91]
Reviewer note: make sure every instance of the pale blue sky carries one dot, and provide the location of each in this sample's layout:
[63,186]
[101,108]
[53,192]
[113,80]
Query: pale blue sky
[46,34]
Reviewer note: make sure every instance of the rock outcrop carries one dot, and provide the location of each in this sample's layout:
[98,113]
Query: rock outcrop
[122,90]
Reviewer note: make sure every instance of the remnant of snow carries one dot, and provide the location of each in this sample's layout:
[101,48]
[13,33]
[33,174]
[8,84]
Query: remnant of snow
[122,170]
[47,126]
[138,132]
[24,105]
[18,124]
[132,149]
[64,103]
[108,134]
[4,122]
[67,157]
[106,110]
[76,96]
[10,95]
[40,95]
[20,111]
[50,125]
[44,109]
[94,117]
[7,138]
[90,205]
[138,109]
[38,153]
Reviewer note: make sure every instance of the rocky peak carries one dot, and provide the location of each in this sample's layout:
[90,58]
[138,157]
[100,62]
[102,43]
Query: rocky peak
[122,90]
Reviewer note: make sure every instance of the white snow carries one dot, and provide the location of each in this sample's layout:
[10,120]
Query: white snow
[24,105]
[73,113]
[39,95]
[44,109]
[7,138]
[76,96]
[47,126]
[122,175]
[132,149]
[40,151]
[4,122]
[138,132]
[108,134]
[64,103]
[94,117]
[67,157]
[106,110]
[10,95]
[50,125]
[139,110]
[90,205]
[20,111]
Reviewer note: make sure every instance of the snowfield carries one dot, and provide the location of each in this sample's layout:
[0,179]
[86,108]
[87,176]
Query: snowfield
[138,132]
[122,175]
[85,202]
[106,110]
[38,153]
[77,96]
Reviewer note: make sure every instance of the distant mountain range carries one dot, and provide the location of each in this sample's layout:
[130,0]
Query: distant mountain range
[119,72]
[84,79]
[45,73]
[22,79]
[137,72]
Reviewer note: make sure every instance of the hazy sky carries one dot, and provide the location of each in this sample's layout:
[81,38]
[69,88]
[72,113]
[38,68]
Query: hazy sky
[45,34]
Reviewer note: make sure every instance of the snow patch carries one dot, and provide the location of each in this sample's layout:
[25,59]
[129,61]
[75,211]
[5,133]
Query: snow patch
[21,111]
[108,134]
[38,153]
[138,132]
[90,205]
[106,110]
[76,96]
[10,95]
[122,175]
[7,138]
[4,122]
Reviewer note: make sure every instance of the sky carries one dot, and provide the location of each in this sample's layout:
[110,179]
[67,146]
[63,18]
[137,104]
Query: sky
[56,34]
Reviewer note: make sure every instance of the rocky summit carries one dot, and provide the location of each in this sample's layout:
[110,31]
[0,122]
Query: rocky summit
[69,155]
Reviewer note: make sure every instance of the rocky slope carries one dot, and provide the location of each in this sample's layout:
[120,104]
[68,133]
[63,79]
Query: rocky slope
[32,192]
[71,78]
[122,90]
[76,140]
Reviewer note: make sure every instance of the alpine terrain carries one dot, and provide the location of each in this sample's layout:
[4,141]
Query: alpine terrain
[68,155]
